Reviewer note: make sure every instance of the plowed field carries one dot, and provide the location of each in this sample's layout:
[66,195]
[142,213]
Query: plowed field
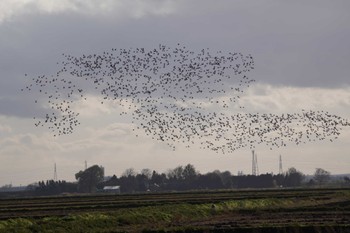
[294,210]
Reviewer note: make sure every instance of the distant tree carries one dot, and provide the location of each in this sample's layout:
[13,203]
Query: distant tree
[293,178]
[322,176]
[128,183]
[226,178]
[265,181]
[146,172]
[178,172]
[189,175]
[211,180]
[189,172]
[88,179]
[129,172]
[181,178]
[169,174]
[142,182]
[157,178]
[279,180]
[51,187]
[131,182]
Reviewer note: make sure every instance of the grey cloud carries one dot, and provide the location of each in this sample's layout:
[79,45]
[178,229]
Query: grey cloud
[10,10]
[20,107]
[293,44]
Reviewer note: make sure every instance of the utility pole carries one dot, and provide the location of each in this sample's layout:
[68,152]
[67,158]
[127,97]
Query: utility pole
[85,165]
[255,168]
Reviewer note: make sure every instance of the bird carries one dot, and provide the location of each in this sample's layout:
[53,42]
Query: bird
[168,93]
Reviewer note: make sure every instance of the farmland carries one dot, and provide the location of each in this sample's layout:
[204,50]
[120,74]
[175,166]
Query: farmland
[272,210]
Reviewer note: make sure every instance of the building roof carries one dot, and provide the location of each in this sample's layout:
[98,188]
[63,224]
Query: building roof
[111,187]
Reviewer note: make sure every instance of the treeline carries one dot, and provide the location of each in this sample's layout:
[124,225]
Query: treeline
[184,178]
[181,178]
[51,187]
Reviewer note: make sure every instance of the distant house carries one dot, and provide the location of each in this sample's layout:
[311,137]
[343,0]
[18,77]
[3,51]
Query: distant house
[111,189]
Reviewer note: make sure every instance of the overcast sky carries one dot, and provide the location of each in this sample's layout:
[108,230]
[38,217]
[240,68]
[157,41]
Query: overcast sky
[301,51]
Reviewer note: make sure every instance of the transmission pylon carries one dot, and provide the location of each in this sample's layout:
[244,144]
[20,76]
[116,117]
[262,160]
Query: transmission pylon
[280,165]
[55,173]
[255,168]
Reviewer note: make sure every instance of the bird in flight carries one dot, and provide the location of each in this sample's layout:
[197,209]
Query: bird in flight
[170,92]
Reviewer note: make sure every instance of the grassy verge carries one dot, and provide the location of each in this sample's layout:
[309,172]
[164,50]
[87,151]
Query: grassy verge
[127,219]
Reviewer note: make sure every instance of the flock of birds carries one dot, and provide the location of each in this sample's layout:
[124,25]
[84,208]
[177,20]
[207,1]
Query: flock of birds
[175,95]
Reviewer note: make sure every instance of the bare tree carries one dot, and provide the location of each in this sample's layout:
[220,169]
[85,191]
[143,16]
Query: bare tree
[322,176]
[176,173]
[146,172]
[189,172]
[129,172]
[293,178]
